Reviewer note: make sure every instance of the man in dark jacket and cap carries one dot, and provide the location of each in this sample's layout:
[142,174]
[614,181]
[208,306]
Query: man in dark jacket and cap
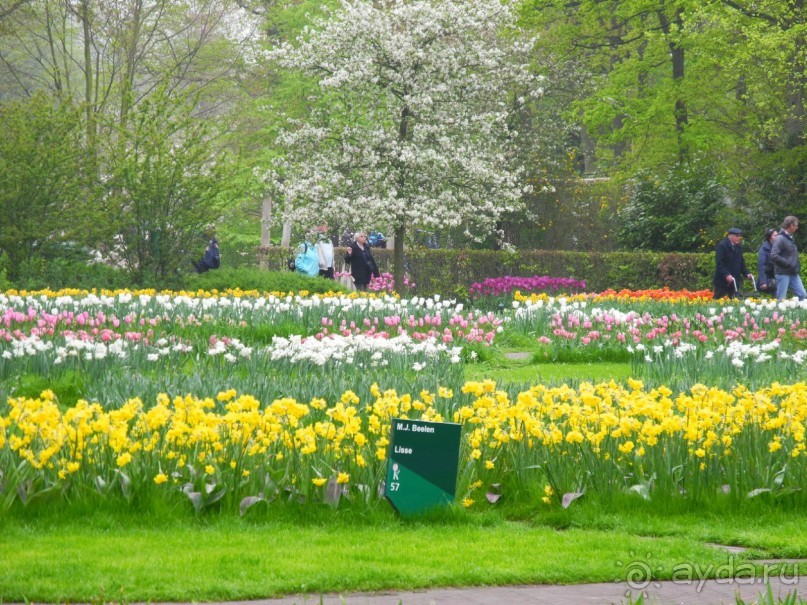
[211,259]
[729,265]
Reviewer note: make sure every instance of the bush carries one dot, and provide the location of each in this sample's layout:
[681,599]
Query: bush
[41,273]
[678,210]
[450,273]
[262,281]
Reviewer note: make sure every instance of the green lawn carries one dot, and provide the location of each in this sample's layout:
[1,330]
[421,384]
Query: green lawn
[50,554]
[524,372]
[116,557]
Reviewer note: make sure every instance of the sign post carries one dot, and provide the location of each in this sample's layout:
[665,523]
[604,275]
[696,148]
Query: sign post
[422,465]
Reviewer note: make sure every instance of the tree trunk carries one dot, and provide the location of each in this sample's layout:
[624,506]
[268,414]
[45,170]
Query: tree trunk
[398,258]
[589,149]
[89,84]
[677,58]
[266,217]
[285,238]
[130,43]
[795,122]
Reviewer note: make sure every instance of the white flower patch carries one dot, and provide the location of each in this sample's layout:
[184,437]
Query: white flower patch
[338,349]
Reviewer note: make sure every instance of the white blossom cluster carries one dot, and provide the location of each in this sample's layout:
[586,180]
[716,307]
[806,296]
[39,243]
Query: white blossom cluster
[342,350]
[126,306]
[411,127]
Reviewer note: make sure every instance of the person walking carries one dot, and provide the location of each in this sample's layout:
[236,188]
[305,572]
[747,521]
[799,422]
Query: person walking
[324,247]
[766,280]
[786,264]
[362,264]
[729,265]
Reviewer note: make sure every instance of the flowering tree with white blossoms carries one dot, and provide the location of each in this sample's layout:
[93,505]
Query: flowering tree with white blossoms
[410,126]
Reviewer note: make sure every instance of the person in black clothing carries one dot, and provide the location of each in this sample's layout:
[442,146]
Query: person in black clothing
[729,265]
[211,259]
[766,281]
[362,264]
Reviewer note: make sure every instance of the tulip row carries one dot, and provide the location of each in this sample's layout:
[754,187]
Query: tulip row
[235,450]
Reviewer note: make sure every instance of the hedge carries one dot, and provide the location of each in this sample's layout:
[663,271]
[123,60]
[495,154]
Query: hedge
[451,272]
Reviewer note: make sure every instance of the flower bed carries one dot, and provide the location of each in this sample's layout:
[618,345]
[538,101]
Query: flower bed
[562,441]
[232,399]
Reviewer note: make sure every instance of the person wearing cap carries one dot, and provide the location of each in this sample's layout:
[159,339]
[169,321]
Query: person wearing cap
[211,259]
[766,280]
[786,264]
[729,265]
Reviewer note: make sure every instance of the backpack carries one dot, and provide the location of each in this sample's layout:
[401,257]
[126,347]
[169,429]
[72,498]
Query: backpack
[307,260]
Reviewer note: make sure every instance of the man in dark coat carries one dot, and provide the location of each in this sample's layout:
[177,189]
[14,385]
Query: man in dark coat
[211,259]
[730,265]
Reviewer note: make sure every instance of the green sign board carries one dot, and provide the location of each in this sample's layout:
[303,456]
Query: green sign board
[422,464]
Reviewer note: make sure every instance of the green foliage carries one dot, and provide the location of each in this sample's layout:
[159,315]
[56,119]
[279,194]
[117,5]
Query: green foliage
[451,272]
[164,191]
[446,272]
[68,387]
[41,168]
[677,210]
[41,273]
[262,281]
[771,188]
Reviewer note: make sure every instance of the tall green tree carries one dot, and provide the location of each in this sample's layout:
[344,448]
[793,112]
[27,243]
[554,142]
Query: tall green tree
[122,60]
[165,191]
[42,178]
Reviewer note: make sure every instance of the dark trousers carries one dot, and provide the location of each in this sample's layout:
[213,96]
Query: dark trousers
[725,291]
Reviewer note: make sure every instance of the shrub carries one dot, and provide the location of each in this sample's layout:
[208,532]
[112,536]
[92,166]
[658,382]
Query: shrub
[40,273]
[262,281]
[678,210]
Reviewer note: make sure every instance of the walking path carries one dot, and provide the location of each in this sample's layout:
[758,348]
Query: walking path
[705,592]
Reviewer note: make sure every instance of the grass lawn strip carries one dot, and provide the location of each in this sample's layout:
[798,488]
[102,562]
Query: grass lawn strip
[226,559]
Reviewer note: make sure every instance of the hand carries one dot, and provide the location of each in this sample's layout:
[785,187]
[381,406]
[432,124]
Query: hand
[763,286]
[750,276]
[349,250]
[729,279]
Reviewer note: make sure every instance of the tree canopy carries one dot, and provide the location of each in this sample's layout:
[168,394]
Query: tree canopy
[528,119]
[411,124]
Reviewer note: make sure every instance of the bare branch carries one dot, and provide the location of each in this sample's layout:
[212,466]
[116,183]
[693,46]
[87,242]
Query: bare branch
[5,11]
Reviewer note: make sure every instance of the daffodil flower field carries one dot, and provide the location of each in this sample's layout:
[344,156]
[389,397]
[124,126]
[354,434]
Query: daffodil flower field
[237,400]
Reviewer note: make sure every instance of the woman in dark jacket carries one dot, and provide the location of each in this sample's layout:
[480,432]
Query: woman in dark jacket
[765,275]
[362,263]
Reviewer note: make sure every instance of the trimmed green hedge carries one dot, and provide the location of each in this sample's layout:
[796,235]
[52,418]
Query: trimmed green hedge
[449,273]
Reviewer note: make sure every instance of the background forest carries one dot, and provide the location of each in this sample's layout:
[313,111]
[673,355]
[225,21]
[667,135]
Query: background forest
[134,129]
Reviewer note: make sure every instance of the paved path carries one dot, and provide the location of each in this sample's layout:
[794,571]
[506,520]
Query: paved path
[707,592]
